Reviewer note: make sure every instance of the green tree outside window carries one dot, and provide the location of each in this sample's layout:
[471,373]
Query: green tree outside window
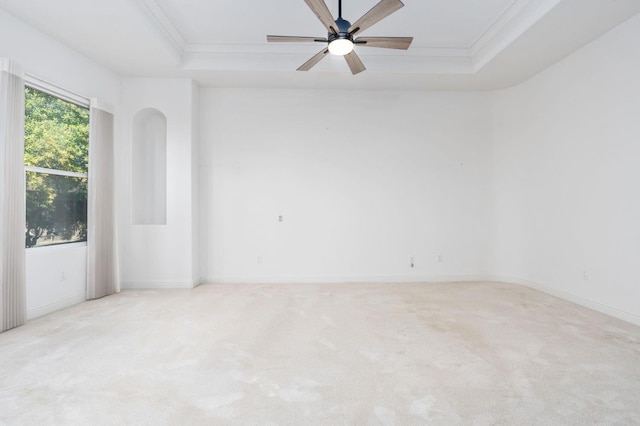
[56,138]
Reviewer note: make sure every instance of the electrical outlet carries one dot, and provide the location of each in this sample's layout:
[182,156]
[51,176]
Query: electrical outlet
[585,276]
[63,277]
[439,257]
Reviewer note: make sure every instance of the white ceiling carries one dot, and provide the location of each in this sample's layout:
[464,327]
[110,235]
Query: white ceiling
[458,44]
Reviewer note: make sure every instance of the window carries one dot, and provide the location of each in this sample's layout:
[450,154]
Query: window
[56,160]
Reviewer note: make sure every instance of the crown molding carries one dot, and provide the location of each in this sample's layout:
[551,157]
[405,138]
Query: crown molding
[164,25]
[491,31]
[512,23]
[233,61]
[280,48]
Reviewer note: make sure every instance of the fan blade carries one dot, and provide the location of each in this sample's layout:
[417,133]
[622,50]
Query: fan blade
[311,62]
[319,7]
[378,12]
[354,62]
[293,39]
[402,43]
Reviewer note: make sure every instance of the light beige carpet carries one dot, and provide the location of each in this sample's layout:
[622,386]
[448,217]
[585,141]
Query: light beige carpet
[361,354]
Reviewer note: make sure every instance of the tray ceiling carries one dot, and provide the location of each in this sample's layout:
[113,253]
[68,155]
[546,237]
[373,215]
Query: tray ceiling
[457,44]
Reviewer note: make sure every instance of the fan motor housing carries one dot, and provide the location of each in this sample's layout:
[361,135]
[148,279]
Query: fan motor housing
[343,31]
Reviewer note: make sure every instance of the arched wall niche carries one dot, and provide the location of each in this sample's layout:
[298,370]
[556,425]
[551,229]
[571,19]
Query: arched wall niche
[149,168]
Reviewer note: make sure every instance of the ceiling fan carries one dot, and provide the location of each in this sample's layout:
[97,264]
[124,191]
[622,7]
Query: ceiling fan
[341,37]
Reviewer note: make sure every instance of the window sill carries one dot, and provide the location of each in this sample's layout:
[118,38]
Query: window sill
[56,247]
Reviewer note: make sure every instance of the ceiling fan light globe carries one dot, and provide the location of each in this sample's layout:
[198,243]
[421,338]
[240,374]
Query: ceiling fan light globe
[341,47]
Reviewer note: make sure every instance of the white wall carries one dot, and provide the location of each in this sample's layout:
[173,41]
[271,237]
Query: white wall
[567,170]
[363,180]
[48,59]
[56,276]
[159,256]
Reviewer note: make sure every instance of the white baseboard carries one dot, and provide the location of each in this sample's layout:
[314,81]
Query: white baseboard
[588,303]
[158,285]
[341,279]
[39,311]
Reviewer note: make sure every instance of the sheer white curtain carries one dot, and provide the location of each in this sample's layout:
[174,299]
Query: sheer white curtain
[102,273]
[13,305]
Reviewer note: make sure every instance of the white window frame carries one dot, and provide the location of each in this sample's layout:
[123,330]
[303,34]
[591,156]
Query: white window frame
[57,91]
[44,86]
